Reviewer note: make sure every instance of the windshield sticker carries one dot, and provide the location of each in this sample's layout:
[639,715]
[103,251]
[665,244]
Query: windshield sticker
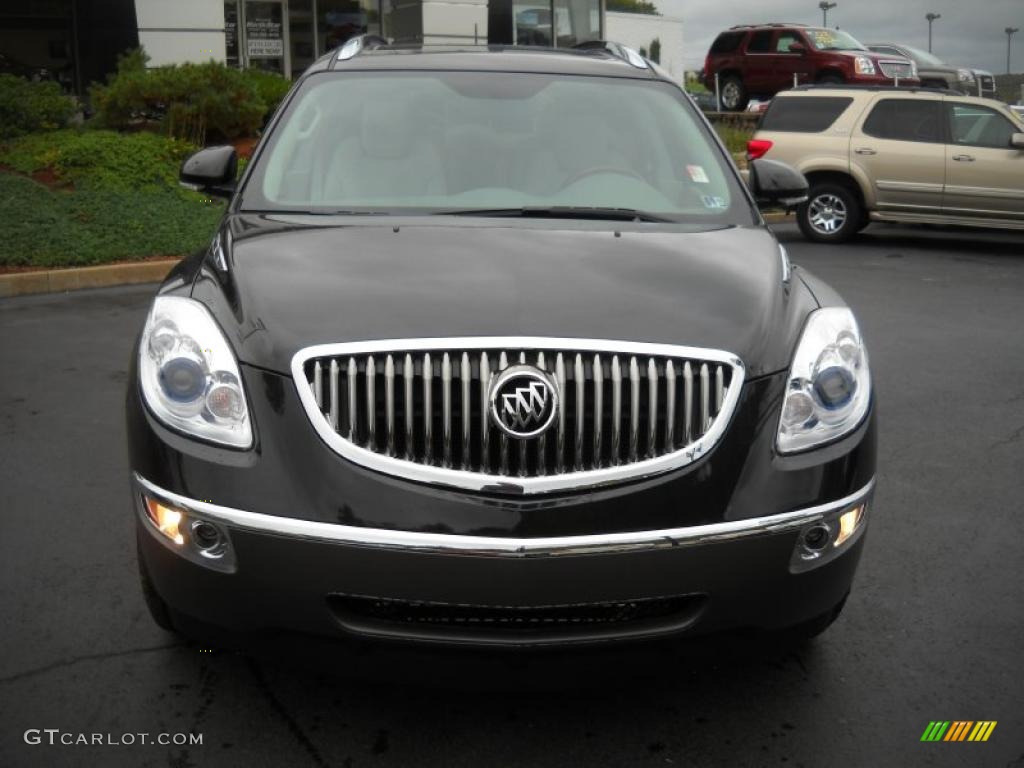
[823,38]
[697,174]
[713,202]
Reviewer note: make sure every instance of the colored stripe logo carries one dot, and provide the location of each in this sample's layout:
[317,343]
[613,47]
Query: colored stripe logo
[958,730]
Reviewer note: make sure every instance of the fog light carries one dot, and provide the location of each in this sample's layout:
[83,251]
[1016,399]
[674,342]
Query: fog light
[848,523]
[167,520]
[208,539]
[816,538]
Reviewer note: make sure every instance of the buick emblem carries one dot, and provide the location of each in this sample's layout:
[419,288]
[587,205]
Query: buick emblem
[524,401]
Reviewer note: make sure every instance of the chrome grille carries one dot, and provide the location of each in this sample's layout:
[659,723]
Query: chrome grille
[894,69]
[419,408]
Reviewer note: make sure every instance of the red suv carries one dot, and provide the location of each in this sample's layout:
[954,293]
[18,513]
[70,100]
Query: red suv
[759,61]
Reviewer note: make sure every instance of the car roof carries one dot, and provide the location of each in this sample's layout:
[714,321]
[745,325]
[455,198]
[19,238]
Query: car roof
[766,25]
[871,90]
[488,58]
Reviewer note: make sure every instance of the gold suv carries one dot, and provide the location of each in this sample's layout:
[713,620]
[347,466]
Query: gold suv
[887,154]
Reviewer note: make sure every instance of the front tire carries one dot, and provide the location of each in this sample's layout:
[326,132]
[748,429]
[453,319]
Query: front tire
[734,95]
[830,79]
[832,214]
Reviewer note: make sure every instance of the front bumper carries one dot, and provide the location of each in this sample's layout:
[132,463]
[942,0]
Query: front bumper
[333,579]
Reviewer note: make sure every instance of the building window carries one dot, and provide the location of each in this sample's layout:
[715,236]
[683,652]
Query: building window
[530,22]
[341,20]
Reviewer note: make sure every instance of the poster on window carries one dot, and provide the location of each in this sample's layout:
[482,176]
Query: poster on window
[263,39]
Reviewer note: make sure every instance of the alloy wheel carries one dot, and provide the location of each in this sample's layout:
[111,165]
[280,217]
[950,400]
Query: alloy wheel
[827,214]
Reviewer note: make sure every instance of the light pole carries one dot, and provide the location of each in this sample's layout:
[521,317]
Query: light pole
[825,8]
[931,17]
[1010,31]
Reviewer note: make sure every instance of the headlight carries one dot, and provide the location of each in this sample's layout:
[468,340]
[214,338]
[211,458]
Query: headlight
[864,66]
[965,75]
[189,376]
[829,385]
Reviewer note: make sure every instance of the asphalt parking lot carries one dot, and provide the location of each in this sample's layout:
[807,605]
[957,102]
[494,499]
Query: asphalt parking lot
[933,630]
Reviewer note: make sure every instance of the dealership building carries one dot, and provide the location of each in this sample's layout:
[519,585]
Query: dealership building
[78,40]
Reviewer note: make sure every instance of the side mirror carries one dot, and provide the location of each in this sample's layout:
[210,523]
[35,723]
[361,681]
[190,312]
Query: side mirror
[798,47]
[775,183]
[211,170]
[1017,141]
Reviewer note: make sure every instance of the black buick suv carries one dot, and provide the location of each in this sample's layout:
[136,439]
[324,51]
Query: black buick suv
[494,347]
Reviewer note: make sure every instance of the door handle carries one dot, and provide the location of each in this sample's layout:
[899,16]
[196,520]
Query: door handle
[963,158]
[865,151]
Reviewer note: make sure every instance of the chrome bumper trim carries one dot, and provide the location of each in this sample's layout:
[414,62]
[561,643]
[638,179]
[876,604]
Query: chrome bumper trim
[487,546]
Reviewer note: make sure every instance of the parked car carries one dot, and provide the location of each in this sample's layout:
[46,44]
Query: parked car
[705,100]
[759,61]
[930,68]
[494,347]
[887,155]
[986,83]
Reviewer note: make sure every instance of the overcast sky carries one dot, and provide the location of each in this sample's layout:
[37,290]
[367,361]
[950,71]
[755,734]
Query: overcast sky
[970,32]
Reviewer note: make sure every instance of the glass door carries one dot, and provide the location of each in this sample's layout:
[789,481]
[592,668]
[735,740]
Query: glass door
[265,33]
[302,34]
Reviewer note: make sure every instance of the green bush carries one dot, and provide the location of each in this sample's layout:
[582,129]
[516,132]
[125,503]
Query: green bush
[97,159]
[195,102]
[55,228]
[270,86]
[27,106]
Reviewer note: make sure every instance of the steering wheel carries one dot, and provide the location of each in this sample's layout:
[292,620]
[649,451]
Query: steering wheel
[602,169]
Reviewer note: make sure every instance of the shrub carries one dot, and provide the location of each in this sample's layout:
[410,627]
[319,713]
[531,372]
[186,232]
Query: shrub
[97,159]
[194,102]
[54,228]
[270,86]
[27,106]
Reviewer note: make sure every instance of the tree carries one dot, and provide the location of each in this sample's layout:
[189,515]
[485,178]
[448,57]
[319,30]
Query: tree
[656,50]
[632,6]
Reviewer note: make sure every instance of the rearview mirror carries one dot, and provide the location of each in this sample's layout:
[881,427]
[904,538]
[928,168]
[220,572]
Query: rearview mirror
[211,170]
[798,47]
[775,183]
[1017,141]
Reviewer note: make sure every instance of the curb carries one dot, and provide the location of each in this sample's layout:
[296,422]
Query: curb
[110,275]
[77,278]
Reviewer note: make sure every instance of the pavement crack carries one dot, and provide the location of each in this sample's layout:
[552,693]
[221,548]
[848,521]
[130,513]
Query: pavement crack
[1013,438]
[286,717]
[87,657]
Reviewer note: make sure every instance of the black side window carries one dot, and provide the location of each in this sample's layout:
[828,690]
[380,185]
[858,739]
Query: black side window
[760,42]
[976,126]
[804,114]
[727,42]
[905,120]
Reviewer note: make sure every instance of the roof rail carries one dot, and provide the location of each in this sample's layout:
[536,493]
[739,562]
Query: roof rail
[617,50]
[361,43]
[901,88]
[768,24]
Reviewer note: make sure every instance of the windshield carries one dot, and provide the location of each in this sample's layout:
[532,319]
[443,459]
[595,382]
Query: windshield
[923,57]
[494,143]
[833,40]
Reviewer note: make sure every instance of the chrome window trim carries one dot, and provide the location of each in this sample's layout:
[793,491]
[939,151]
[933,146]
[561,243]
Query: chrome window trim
[475,481]
[452,544]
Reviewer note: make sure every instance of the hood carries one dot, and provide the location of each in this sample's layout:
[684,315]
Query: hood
[290,284]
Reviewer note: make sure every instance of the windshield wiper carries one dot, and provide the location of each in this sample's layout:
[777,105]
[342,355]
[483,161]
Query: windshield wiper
[562,212]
